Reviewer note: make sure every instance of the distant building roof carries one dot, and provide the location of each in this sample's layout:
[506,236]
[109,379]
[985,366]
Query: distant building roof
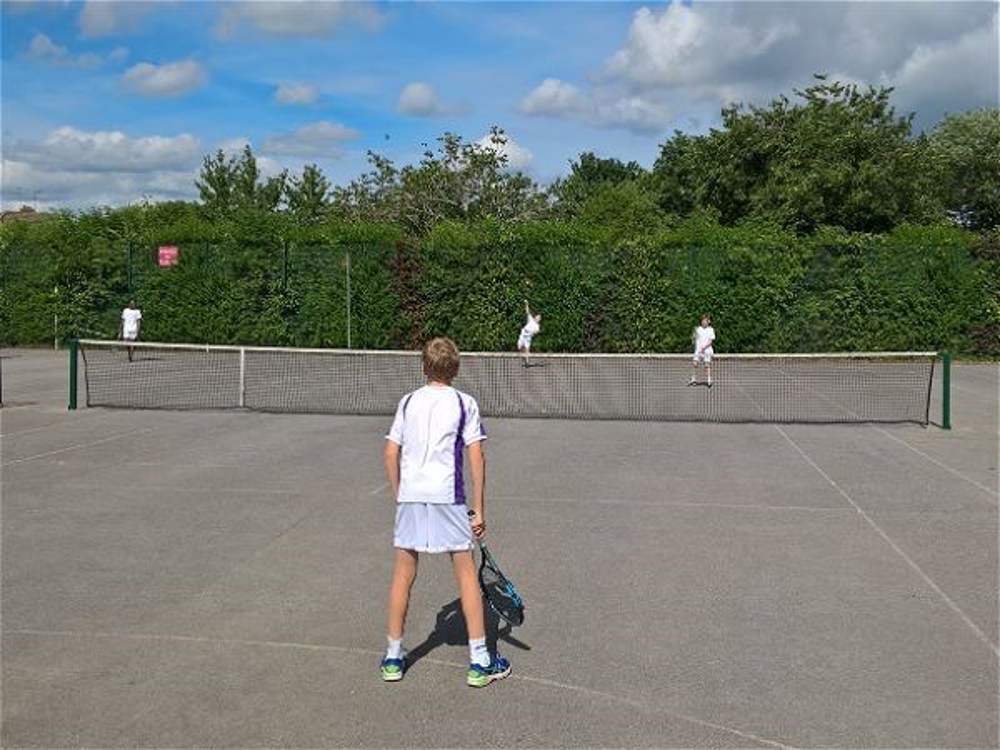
[24,213]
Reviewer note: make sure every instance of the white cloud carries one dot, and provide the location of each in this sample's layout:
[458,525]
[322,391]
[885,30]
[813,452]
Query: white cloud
[43,48]
[296,93]
[269,167]
[233,146]
[554,97]
[956,74]
[418,99]
[637,112]
[75,167]
[601,106]
[682,59]
[107,18]
[73,149]
[171,79]
[295,17]
[316,140]
[68,189]
[686,45]
[233,149]
[518,157]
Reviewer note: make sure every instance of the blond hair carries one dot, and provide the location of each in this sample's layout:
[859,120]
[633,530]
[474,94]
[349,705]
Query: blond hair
[440,360]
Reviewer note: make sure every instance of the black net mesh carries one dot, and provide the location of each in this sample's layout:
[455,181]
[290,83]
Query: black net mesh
[879,387]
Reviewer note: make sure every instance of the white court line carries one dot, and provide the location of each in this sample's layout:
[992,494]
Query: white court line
[381,488]
[896,548]
[960,475]
[966,389]
[915,450]
[137,486]
[536,499]
[33,429]
[514,676]
[78,446]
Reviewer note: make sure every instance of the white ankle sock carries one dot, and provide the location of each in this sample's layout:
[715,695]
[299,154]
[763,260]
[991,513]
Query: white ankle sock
[478,653]
[395,649]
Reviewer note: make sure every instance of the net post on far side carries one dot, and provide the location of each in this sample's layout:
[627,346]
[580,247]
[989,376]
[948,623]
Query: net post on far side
[74,346]
[946,390]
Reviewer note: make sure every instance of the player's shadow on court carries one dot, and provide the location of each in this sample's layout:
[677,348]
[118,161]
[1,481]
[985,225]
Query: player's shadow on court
[449,630]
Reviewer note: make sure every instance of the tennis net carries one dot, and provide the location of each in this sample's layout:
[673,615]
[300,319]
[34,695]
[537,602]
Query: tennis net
[783,388]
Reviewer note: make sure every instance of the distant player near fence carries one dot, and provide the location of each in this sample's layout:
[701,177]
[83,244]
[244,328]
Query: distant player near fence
[128,329]
[703,338]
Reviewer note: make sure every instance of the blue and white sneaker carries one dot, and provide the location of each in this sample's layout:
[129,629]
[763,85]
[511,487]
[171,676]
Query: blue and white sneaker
[479,676]
[393,669]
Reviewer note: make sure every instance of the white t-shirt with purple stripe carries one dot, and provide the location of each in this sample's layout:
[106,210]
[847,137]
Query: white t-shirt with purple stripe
[433,425]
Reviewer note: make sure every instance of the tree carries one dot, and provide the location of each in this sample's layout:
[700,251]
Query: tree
[965,149]
[675,176]
[230,184]
[308,195]
[215,186]
[627,207]
[458,181]
[590,174]
[839,156]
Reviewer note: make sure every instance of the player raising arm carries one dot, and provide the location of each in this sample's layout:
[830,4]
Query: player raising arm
[528,331]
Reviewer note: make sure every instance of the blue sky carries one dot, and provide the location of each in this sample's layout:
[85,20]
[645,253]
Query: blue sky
[107,103]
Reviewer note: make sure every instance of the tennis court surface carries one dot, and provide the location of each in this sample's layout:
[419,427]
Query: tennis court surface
[219,579]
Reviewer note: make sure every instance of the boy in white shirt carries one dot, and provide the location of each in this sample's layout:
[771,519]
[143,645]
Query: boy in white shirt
[128,329]
[423,462]
[704,340]
[528,331]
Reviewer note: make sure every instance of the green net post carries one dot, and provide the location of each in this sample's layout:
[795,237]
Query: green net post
[946,390]
[73,347]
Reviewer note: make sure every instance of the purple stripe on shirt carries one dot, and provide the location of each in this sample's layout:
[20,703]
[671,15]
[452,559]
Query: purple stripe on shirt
[459,483]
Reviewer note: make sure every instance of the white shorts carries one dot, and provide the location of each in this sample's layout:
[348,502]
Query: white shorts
[130,336]
[431,527]
[523,342]
[705,356]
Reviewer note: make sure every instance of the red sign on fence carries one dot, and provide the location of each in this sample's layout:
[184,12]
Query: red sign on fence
[169,255]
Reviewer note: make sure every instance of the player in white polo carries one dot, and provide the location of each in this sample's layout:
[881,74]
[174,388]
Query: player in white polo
[435,426]
[528,331]
[128,329]
[703,338]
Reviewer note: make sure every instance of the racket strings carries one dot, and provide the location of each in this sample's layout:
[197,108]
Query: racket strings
[502,595]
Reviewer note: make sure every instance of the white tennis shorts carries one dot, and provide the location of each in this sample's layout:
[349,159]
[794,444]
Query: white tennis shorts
[705,356]
[431,527]
[130,335]
[523,342]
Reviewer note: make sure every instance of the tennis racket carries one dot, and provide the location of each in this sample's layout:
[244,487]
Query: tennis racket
[499,590]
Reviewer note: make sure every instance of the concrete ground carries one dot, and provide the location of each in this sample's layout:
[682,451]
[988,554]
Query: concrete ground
[218,579]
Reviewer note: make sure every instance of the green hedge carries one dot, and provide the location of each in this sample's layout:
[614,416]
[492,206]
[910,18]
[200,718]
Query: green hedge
[918,288]
[260,279]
